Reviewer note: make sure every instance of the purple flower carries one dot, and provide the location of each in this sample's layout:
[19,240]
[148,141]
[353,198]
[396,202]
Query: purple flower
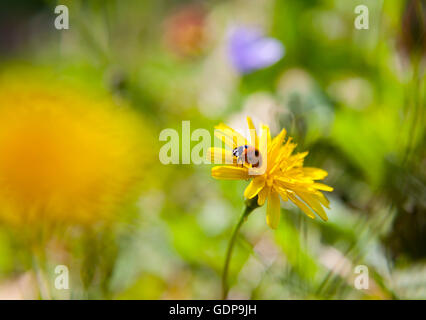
[250,50]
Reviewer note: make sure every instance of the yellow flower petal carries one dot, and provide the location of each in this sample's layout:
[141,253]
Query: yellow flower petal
[322,198]
[265,130]
[321,186]
[253,135]
[231,137]
[279,139]
[282,192]
[298,157]
[254,187]
[314,204]
[301,205]
[262,195]
[275,148]
[315,173]
[288,148]
[263,147]
[273,210]
[230,173]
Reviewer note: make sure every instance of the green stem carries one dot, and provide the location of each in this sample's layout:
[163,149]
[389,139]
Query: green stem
[42,282]
[250,206]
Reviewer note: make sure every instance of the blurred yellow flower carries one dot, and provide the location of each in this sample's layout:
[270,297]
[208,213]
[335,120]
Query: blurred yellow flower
[65,157]
[283,176]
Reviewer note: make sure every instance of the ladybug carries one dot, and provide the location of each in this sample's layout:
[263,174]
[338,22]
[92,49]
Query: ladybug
[247,154]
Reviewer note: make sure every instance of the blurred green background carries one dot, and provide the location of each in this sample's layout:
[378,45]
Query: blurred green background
[354,98]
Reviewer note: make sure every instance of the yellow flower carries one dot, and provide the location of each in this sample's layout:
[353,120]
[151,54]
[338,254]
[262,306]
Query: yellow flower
[65,157]
[283,174]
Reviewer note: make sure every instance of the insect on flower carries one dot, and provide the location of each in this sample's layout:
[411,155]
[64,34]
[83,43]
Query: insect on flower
[247,154]
[283,173]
